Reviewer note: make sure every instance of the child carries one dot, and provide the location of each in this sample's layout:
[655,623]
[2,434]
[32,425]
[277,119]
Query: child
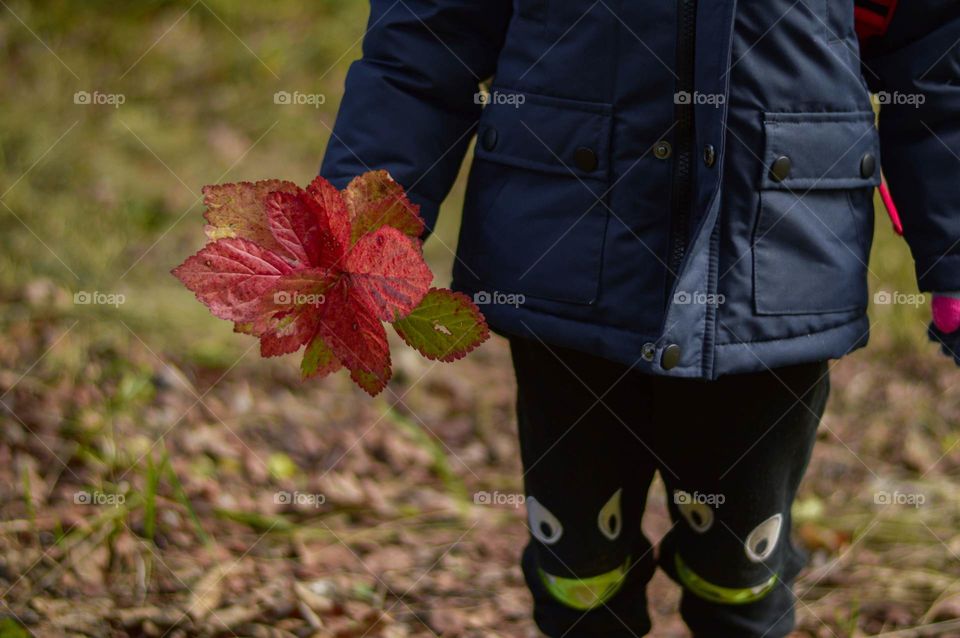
[669,213]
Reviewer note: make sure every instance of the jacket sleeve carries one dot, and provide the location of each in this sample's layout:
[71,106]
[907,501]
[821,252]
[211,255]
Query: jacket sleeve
[409,104]
[915,68]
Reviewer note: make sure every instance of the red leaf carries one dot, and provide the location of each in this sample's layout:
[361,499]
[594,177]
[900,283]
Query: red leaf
[324,268]
[332,219]
[272,345]
[388,273]
[291,310]
[357,338]
[375,200]
[230,276]
[294,226]
[239,210]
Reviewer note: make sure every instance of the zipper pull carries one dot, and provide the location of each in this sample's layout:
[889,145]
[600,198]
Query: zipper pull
[891,207]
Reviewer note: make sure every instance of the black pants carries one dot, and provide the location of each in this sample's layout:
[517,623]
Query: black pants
[731,453]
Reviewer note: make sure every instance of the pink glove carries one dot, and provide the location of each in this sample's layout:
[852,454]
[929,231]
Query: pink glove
[946,311]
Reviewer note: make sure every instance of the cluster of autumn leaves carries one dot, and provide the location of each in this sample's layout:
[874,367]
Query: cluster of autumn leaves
[325,269]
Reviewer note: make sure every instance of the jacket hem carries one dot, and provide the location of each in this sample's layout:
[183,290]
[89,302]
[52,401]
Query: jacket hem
[831,343]
[625,347]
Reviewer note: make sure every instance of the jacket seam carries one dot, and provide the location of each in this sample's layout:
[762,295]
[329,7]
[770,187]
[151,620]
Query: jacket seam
[589,106]
[790,337]
[805,118]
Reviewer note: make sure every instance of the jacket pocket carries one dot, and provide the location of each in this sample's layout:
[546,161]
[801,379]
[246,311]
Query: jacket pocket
[534,216]
[812,238]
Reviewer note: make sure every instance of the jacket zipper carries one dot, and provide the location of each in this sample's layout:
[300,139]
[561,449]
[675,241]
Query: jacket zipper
[683,148]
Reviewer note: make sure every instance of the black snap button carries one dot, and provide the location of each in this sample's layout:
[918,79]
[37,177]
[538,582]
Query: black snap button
[868,164]
[709,155]
[781,168]
[489,139]
[670,357]
[662,149]
[585,159]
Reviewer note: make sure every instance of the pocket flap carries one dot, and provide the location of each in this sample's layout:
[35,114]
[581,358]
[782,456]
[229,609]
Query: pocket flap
[547,134]
[822,151]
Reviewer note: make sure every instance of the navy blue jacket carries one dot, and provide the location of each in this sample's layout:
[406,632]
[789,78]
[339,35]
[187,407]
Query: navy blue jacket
[678,185]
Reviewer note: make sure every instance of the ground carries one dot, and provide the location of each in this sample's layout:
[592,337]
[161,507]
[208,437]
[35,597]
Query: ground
[160,479]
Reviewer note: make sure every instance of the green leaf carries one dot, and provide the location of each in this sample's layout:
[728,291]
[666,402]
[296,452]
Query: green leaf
[318,359]
[245,328]
[10,628]
[281,466]
[445,326]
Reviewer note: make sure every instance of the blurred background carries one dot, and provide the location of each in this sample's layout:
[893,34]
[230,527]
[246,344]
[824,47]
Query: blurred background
[157,478]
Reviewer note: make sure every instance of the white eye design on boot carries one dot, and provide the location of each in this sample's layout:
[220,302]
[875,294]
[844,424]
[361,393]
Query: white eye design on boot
[697,514]
[610,520]
[543,525]
[763,539]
